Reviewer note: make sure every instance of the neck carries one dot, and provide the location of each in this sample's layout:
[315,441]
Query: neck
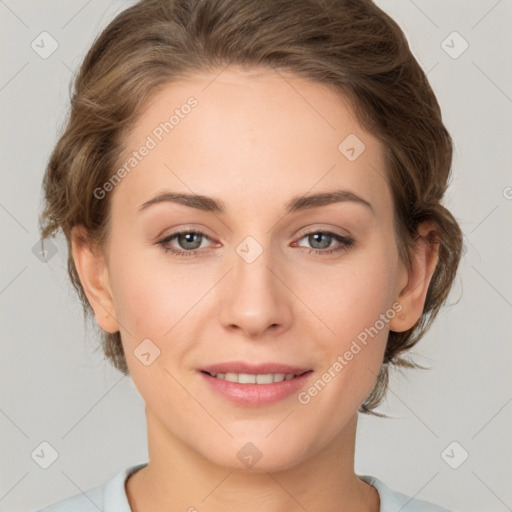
[179,478]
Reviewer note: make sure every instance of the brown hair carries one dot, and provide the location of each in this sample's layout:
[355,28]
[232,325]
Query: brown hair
[351,45]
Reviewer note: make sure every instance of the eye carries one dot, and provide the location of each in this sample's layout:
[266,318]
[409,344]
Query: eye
[321,242]
[191,241]
[191,244]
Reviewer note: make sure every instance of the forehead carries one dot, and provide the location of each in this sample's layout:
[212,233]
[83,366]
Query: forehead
[244,133]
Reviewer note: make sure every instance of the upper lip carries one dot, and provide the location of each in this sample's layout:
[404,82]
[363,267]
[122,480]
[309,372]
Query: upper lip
[253,369]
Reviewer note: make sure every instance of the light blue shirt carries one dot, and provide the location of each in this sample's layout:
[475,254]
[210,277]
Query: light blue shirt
[111,497]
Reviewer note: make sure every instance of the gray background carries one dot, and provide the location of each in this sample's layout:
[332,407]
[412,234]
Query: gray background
[56,388]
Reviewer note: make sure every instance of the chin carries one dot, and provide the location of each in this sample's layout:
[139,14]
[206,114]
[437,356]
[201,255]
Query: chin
[256,456]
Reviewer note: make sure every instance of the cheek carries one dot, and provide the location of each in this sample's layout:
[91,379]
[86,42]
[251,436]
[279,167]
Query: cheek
[146,299]
[358,311]
[354,300]
[153,297]
[351,296]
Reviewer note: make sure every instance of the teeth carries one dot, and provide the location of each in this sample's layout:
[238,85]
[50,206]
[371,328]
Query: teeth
[246,378]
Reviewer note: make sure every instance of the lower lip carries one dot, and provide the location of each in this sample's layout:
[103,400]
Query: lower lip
[256,395]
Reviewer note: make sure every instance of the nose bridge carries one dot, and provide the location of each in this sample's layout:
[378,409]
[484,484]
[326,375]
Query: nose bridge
[253,279]
[254,297]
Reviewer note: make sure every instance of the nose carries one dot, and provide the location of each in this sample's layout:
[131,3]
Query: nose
[254,297]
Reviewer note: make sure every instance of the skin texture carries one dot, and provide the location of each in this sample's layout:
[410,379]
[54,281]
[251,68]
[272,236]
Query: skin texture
[256,139]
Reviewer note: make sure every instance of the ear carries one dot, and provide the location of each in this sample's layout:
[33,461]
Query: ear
[413,283]
[92,270]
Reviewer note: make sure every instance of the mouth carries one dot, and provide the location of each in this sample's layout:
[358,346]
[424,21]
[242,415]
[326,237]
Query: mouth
[250,385]
[255,378]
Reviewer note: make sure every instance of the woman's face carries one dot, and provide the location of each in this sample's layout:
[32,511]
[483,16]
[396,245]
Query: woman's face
[255,282]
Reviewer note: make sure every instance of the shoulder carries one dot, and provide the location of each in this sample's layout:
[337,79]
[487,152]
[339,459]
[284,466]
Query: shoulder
[89,501]
[110,497]
[392,501]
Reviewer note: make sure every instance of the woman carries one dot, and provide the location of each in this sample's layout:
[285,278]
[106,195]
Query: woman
[251,195]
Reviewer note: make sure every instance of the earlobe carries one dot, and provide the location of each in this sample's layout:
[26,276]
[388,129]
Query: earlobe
[412,296]
[93,273]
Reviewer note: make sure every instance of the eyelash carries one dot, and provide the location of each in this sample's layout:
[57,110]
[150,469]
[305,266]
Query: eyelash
[346,243]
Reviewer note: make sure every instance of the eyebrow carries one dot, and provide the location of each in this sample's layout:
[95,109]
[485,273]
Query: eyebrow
[210,204]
